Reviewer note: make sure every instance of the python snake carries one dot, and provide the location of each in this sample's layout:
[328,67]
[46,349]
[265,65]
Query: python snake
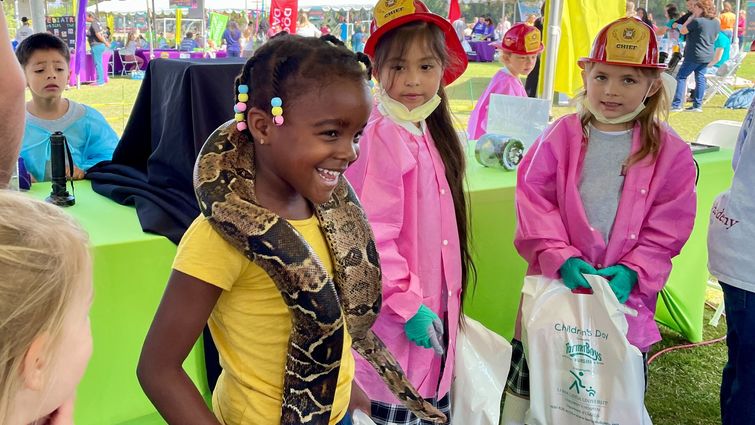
[224,181]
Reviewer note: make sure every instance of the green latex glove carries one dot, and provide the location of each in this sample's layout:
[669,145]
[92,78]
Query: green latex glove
[621,279]
[572,272]
[425,329]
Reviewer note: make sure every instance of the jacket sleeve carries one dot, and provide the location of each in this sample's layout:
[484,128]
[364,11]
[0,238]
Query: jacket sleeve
[541,236]
[101,142]
[379,182]
[667,226]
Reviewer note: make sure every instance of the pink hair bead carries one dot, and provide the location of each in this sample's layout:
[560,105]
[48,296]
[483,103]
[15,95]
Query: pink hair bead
[278,120]
[241,107]
[241,126]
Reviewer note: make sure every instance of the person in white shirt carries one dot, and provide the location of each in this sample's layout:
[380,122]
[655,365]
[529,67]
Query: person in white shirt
[305,28]
[24,31]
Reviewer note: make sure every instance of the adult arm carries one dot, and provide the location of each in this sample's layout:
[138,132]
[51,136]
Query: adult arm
[98,34]
[666,227]
[178,323]
[719,52]
[690,25]
[541,237]
[12,85]
[679,22]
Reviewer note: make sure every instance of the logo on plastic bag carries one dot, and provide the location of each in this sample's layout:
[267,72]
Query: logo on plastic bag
[577,385]
[583,350]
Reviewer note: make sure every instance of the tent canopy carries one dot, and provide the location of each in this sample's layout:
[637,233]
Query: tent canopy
[163,7]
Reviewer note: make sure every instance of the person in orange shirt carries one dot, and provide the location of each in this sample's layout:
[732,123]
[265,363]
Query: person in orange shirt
[728,20]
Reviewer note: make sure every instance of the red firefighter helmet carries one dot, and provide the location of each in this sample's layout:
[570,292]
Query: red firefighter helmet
[625,42]
[391,14]
[521,39]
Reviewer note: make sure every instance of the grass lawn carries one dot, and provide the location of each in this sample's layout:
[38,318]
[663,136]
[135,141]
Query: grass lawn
[683,385]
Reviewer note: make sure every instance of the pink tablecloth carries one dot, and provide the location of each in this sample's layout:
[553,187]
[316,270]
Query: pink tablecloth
[164,53]
[87,73]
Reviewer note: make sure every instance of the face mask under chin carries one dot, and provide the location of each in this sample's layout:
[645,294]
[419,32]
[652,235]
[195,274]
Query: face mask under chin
[617,120]
[399,111]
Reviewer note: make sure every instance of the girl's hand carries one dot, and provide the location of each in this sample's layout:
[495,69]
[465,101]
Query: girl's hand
[359,400]
[78,173]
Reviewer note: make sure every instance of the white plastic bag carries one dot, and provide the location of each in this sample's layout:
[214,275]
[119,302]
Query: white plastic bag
[583,370]
[360,418]
[482,366]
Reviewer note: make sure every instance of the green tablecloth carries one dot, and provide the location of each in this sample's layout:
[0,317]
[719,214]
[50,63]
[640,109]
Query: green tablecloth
[501,271]
[131,269]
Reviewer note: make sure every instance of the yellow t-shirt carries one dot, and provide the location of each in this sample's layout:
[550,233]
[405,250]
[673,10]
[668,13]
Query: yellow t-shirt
[251,326]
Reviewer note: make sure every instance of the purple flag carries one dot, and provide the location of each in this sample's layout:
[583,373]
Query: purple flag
[81,41]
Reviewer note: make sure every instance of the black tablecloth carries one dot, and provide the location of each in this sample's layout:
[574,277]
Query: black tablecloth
[180,103]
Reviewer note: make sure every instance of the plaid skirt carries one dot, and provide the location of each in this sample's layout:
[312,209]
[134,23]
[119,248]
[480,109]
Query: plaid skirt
[397,414]
[518,381]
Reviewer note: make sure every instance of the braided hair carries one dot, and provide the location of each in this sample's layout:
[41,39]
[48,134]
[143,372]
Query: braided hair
[288,65]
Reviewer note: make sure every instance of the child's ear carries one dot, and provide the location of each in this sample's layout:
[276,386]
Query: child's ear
[656,85]
[259,123]
[35,362]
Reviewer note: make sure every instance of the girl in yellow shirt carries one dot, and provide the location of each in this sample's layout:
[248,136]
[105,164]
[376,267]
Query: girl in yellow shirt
[297,162]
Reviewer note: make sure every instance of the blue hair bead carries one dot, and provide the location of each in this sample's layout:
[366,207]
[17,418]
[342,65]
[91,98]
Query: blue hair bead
[276,101]
[243,88]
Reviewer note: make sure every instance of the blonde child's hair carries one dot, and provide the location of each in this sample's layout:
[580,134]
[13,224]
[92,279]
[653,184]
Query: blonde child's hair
[43,253]
[650,119]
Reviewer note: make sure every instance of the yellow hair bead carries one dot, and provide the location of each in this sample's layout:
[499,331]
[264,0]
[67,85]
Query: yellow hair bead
[277,111]
[243,97]
[239,117]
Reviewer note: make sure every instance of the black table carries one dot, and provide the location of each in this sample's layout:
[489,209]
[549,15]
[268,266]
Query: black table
[180,103]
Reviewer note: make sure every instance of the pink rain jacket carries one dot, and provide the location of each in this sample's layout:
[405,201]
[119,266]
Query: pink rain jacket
[502,83]
[654,219]
[400,179]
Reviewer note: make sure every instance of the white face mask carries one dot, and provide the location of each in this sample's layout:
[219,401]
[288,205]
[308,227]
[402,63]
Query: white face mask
[618,120]
[400,112]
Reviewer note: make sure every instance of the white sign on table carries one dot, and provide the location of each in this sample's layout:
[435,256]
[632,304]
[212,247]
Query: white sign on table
[522,118]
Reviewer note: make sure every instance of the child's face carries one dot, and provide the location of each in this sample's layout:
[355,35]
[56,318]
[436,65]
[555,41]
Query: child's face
[616,90]
[318,141]
[412,79]
[519,64]
[47,74]
[71,356]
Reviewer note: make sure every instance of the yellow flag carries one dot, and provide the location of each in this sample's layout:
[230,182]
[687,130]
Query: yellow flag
[179,33]
[111,22]
[581,22]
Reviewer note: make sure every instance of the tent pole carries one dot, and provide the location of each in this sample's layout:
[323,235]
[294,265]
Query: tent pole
[38,15]
[735,40]
[204,33]
[551,48]
[151,26]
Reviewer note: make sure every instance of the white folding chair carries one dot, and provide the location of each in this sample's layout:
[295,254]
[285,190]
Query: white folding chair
[125,63]
[723,81]
[111,64]
[721,133]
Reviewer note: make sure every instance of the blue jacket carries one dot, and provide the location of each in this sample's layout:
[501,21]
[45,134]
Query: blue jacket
[90,138]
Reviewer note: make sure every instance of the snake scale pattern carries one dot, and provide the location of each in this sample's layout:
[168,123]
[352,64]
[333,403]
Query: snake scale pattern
[224,183]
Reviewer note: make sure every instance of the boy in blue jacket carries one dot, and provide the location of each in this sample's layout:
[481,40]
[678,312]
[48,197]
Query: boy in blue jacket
[45,59]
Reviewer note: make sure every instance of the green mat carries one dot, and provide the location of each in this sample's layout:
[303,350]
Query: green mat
[131,269]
